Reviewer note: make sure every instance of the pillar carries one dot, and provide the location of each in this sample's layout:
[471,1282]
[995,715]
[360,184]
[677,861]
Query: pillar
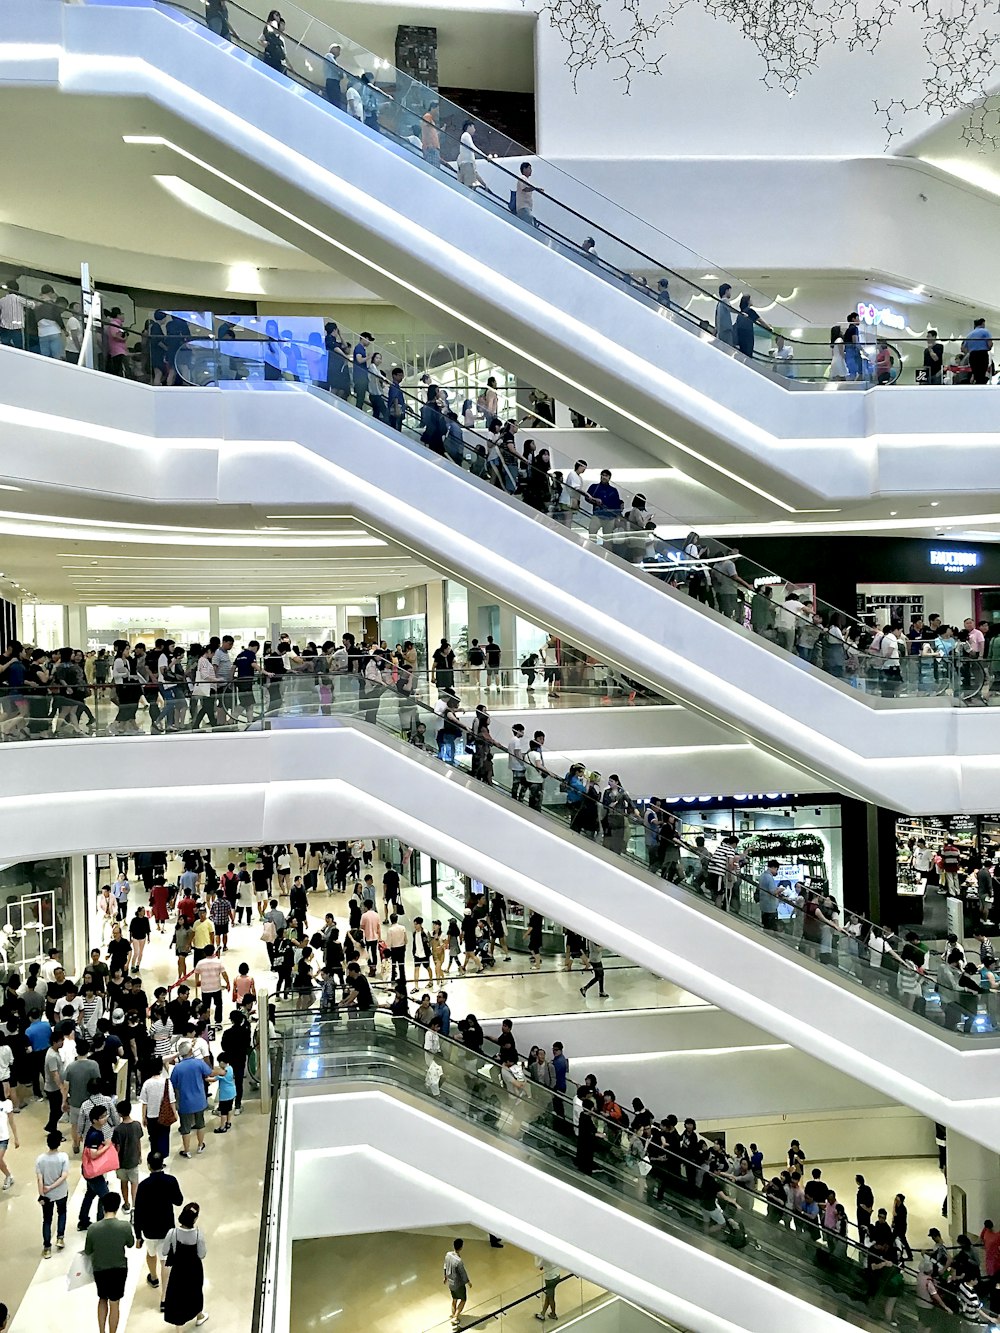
[213,620]
[973,1174]
[80,915]
[76,626]
[273,623]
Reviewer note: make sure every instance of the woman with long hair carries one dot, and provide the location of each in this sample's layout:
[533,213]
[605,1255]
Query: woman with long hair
[183,1253]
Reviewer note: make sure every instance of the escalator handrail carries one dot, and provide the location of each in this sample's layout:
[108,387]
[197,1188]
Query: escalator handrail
[287,1039]
[636,863]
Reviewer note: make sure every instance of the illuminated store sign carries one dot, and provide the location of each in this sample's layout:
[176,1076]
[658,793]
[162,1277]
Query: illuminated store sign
[886,317]
[955,562]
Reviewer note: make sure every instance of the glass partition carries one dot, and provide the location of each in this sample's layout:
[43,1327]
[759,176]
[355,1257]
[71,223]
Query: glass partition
[783,612]
[800,913]
[685,1188]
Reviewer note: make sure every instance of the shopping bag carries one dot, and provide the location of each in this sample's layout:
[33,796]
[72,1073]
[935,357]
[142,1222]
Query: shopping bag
[80,1273]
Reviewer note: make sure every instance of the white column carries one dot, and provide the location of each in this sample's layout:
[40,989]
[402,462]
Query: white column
[80,913]
[76,626]
[213,620]
[973,1185]
[273,623]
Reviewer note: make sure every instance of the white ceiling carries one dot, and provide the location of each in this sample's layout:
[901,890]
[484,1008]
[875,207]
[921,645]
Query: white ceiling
[176,556]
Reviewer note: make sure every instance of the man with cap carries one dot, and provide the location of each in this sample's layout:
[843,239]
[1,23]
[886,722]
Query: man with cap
[518,784]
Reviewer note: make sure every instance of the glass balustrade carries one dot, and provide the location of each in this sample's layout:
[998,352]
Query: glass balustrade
[785,613]
[913,979]
[672,1191]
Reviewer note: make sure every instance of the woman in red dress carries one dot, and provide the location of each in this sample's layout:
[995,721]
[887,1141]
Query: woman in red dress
[159,901]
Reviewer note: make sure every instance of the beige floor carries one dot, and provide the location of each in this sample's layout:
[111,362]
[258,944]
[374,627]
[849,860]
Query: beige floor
[392,1283]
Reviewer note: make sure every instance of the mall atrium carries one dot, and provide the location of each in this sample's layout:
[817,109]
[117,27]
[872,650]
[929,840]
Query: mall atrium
[495,459]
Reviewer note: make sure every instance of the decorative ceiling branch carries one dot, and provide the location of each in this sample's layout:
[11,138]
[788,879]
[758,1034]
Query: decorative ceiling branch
[960,40]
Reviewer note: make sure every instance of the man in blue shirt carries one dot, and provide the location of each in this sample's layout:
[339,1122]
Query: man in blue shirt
[188,1078]
[361,369]
[38,1035]
[397,400]
[560,1071]
[978,344]
[607,505]
[767,896]
[442,1012]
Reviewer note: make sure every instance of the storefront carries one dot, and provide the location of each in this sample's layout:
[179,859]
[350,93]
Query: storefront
[803,833]
[919,902]
[879,579]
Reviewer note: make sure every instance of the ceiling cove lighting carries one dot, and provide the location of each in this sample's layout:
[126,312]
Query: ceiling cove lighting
[366,262]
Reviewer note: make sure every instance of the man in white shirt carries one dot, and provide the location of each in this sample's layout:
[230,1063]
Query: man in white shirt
[12,307]
[789,618]
[571,494]
[395,942]
[782,357]
[515,750]
[467,173]
[888,651]
[51,966]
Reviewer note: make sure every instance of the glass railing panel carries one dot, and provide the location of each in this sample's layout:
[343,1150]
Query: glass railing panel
[786,613]
[909,977]
[906,976]
[663,1188]
[516,1309]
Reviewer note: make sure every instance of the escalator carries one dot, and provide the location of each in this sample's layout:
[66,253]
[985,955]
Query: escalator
[329,777]
[588,331]
[509,1160]
[908,748]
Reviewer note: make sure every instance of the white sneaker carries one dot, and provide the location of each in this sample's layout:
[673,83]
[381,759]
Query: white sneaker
[8,1183]
[201,1318]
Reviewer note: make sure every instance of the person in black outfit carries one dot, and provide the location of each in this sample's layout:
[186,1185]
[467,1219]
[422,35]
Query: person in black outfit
[586,1137]
[333,957]
[236,1042]
[865,1204]
[153,1215]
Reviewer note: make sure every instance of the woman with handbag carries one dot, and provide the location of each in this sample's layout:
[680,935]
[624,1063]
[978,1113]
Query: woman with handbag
[183,1253]
[159,1110]
[99,1158]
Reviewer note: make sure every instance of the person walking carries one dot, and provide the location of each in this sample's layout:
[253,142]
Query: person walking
[52,1180]
[551,1277]
[98,1158]
[54,1084]
[127,1138]
[594,958]
[159,1109]
[183,1252]
[107,1245]
[209,976]
[153,1215]
[457,1280]
[188,1078]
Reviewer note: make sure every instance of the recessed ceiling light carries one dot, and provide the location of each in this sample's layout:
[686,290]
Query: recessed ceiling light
[893,513]
[935,503]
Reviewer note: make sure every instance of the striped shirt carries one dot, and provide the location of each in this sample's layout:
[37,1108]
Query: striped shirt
[12,306]
[722,859]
